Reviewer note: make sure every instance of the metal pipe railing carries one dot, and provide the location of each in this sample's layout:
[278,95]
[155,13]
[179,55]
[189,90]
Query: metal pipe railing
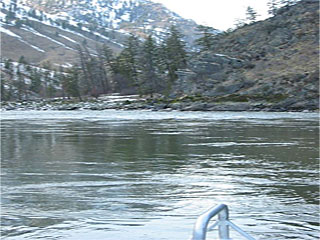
[201,226]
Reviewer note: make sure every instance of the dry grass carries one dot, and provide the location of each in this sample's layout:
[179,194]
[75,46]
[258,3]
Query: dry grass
[62,53]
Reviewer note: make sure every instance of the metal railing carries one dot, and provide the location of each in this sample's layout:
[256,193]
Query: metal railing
[201,227]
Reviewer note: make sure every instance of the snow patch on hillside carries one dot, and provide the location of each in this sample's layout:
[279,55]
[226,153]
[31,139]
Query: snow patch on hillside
[69,39]
[8,32]
[44,36]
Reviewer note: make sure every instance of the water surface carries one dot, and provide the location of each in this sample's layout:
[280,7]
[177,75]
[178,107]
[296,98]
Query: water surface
[148,175]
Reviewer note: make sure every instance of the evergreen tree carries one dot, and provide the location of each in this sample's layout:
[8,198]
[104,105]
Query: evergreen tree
[174,55]
[13,5]
[22,60]
[93,75]
[108,59]
[35,77]
[288,2]
[122,73]
[8,64]
[239,23]
[87,63]
[149,76]
[105,57]
[95,79]
[3,95]
[53,84]
[126,65]
[61,75]
[206,41]
[10,16]
[20,84]
[32,13]
[107,54]
[18,23]
[131,53]
[273,6]
[46,78]
[251,14]
[9,69]
[71,83]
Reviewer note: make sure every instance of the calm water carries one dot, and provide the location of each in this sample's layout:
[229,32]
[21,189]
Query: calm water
[147,175]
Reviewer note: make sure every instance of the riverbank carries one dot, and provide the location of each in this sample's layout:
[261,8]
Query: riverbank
[186,103]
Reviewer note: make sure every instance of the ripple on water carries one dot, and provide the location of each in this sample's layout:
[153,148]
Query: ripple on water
[146,175]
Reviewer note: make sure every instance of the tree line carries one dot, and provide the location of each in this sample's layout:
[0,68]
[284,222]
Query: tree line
[142,67]
[274,6]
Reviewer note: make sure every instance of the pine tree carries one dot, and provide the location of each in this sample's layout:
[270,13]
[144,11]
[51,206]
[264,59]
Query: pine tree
[206,41]
[105,56]
[3,93]
[108,59]
[239,23]
[83,60]
[273,6]
[8,64]
[71,82]
[22,60]
[20,84]
[35,77]
[174,55]
[9,69]
[251,14]
[131,53]
[52,87]
[288,2]
[87,63]
[60,75]
[46,77]
[126,65]
[149,76]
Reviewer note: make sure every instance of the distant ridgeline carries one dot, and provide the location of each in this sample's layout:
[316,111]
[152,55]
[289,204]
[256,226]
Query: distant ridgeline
[261,64]
[60,25]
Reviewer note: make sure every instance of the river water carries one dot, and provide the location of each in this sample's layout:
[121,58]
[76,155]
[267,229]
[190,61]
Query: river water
[147,175]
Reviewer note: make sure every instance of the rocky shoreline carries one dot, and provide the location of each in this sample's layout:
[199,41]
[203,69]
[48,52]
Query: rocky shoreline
[134,102]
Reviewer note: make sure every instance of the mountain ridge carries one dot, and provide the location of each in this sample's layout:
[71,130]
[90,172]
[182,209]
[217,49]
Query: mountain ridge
[94,21]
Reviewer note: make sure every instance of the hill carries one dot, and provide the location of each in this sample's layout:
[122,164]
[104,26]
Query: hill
[271,64]
[50,30]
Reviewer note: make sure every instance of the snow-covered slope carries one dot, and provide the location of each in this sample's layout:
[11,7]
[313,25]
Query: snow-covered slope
[51,29]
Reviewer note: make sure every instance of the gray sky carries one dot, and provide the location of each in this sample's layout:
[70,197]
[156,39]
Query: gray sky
[220,14]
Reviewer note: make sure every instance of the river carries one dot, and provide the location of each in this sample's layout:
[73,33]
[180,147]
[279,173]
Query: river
[147,175]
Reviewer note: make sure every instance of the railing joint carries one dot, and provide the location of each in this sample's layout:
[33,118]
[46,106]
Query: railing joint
[201,226]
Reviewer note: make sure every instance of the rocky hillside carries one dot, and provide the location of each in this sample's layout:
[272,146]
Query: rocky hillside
[42,30]
[272,64]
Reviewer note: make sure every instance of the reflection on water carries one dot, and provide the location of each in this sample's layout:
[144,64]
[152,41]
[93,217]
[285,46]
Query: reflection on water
[148,175]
